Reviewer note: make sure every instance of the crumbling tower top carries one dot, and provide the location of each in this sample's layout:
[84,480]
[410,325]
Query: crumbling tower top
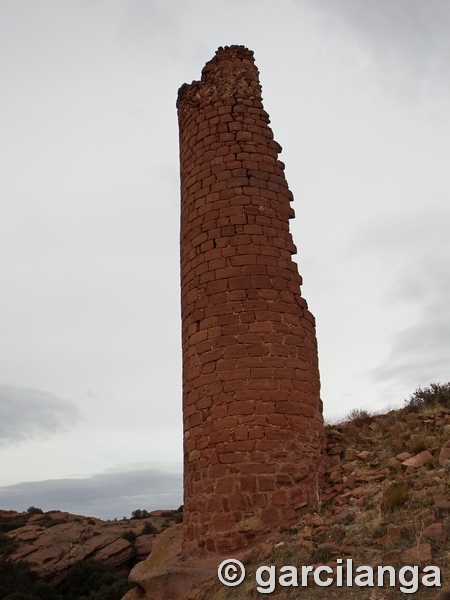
[232,72]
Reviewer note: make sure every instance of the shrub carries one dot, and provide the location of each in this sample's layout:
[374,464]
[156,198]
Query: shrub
[359,417]
[174,515]
[130,536]
[34,510]
[93,580]
[429,397]
[47,521]
[149,528]
[7,545]
[394,496]
[139,514]
[17,583]
[13,522]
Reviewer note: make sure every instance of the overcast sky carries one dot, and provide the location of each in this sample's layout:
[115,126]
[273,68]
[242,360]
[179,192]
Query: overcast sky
[90,361]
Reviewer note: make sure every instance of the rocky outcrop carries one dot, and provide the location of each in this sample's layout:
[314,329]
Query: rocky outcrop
[166,573]
[52,542]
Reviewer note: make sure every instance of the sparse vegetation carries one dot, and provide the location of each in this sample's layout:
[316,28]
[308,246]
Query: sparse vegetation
[48,521]
[130,536]
[34,510]
[87,580]
[139,514]
[359,417]
[93,580]
[173,515]
[15,521]
[428,397]
[149,528]
[7,545]
[394,496]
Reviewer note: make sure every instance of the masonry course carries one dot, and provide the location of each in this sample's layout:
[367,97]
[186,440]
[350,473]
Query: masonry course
[253,428]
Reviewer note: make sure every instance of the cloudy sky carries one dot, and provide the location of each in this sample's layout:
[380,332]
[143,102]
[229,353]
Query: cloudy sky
[90,362]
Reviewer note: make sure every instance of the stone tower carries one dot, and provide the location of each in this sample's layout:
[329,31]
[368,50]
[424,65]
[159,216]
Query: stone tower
[253,429]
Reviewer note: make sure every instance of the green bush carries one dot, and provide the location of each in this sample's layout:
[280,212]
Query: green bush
[429,397]
[13,522]
[149,528]
[34,510]
[17,583]
[7,545]
[130,536]
[87,580]
[93,580]
[47,521]
[139,514]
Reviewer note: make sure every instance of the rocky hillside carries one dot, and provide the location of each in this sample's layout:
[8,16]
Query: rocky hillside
[385,501]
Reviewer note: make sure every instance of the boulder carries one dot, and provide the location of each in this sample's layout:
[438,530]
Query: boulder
[423,458]
[444,454]
[164,574]
[417,555]
[435,533]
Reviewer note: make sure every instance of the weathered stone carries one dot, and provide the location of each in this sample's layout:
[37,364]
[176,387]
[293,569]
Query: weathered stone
[163,575]
[403,456]
[417,555]
[423,458]
[435,533]
[351,482]
[444,454]
[364,455]
[347,549]
[350,454]
[391,537]
[49,552]
[251,390]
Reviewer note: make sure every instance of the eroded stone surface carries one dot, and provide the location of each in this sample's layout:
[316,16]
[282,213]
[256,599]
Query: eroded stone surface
[253,429]
[50,549]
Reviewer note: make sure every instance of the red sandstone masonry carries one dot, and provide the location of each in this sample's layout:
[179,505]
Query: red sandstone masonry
[253,429]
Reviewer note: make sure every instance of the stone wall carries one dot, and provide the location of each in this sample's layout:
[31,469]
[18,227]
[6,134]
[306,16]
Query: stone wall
[253,429]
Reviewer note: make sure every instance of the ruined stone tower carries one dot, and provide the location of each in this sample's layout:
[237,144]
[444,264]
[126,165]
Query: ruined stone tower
[253,430]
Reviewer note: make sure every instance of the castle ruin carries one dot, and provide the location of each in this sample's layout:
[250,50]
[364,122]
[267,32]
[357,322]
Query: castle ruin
[253,428]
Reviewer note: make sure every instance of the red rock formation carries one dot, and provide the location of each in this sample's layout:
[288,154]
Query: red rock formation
[53,542]
[253,429]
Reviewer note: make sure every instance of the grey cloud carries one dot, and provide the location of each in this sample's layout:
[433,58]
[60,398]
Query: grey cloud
[27,413]
[417,248]
[107,495]
[410,34]
[420,353]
